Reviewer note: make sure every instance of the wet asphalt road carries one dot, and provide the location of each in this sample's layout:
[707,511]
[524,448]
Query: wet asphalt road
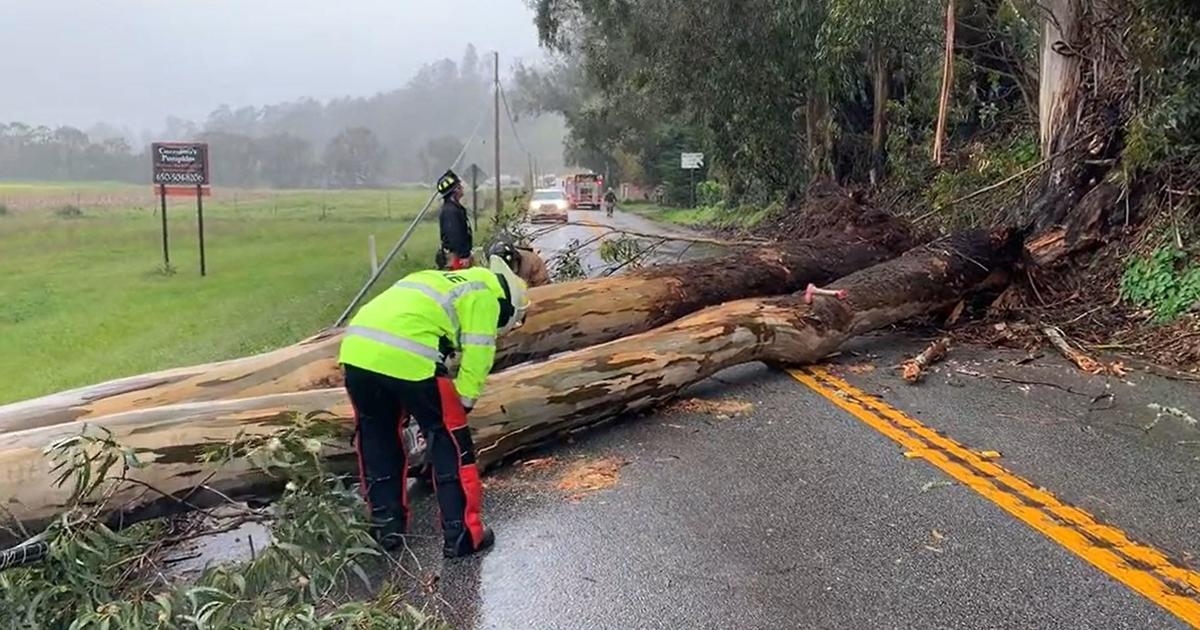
[587,229]
[796,514]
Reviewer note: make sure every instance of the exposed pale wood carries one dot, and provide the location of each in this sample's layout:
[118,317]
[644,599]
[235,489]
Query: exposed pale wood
[564,317]
[939,136]
[1060,75]
[532,403]
[1079,230]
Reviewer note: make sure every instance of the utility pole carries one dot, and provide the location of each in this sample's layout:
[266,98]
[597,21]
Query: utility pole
[532,185]
[496,170]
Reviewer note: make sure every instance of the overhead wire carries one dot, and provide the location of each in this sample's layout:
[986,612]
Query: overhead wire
[512,122]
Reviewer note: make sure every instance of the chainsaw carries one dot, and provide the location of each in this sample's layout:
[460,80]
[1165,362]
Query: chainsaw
[414,442]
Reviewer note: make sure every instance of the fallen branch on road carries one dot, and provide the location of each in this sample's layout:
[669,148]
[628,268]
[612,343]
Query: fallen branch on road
[1078,357]
[914,369]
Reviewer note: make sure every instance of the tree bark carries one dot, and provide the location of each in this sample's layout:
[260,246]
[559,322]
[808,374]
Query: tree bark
[1060,76]
[1083,101]
[563,317]
[882,81]
[533,403]
[818,128]
[939,137]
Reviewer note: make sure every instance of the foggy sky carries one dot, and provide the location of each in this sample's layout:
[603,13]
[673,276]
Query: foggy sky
[134,62]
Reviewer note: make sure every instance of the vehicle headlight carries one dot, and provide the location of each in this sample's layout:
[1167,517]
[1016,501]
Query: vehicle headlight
[561,204]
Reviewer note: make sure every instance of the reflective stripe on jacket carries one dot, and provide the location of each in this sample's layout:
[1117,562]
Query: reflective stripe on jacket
[398,333]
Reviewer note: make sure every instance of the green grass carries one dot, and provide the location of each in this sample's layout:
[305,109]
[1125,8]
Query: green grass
[700,216]
[85,299]
[26,188]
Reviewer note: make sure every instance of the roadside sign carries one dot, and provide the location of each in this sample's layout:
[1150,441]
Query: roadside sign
[691,160]
[181,168]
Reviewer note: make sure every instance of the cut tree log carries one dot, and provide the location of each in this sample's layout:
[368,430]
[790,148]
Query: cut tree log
[563,317]
[533,403]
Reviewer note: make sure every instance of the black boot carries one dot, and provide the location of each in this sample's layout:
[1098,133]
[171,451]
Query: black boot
[460,544]
[389,532]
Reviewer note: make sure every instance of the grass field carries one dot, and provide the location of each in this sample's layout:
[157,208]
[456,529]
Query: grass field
[86,299]
[700,216]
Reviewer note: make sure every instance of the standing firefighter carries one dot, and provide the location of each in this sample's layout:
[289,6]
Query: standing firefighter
[610,202]
[394,354]
[455,228]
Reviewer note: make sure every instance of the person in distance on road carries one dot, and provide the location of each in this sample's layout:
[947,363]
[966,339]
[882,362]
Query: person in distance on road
[394,363]
[610,201]
[525,260]
[455,252]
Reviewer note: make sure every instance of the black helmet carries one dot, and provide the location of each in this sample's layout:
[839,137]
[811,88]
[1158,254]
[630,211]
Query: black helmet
[447,183]
[505,250]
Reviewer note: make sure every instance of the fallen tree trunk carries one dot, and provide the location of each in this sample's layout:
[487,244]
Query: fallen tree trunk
[532,403]
[564,317]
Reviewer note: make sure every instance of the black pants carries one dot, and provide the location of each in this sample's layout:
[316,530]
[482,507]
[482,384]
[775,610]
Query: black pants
[382,405]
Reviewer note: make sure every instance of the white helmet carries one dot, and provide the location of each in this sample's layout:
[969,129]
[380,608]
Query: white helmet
[517,290]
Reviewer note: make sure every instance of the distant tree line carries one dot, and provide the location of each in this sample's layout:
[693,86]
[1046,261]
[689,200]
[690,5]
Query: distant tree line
[405,135]
[28,152]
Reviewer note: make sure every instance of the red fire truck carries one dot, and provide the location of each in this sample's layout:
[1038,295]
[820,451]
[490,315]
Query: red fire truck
[585,190]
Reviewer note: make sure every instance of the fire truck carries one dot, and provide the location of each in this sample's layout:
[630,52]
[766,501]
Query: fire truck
[584,190]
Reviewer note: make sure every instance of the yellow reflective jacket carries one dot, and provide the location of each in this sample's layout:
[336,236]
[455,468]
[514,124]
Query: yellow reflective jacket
[399,332]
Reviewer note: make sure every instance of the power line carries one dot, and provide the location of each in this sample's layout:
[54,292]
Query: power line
[512,123]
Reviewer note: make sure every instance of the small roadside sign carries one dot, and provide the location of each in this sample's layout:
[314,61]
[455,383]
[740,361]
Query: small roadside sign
[181,168]
[691,161]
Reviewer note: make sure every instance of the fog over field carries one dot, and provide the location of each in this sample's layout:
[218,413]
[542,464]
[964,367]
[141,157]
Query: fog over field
[131,63]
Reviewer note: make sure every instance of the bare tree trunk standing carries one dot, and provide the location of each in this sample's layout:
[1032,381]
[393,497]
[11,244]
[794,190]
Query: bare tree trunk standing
[880,68]
[819,132]
[939,138]
[564,317]
[527,405]
[1060,77]
[1083,104]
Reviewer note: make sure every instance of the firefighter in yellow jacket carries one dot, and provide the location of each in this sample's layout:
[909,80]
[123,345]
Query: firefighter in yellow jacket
[393,354]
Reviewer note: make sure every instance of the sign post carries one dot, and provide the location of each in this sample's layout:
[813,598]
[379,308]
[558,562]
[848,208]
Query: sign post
[200,226]
[691,162]
[162,192]
[177,167]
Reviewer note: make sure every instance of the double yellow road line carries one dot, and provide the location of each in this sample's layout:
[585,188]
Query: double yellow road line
[1141,567]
